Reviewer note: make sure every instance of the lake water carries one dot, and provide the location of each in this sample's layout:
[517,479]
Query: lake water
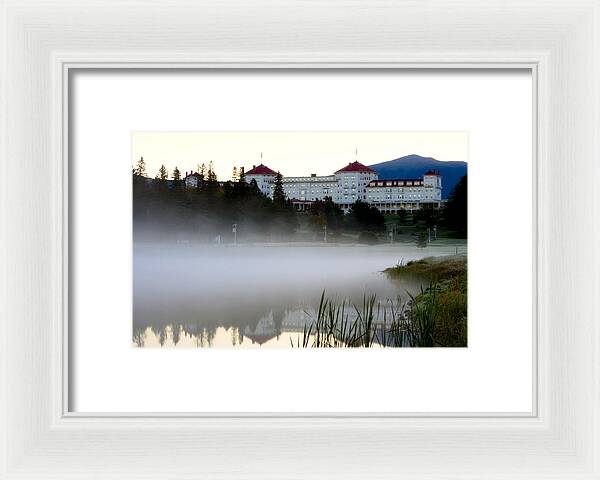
[255,296]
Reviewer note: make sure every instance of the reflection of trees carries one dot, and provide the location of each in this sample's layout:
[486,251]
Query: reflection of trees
[210,335]
[198,338]
[200,317]
[161,333]
[176,329]
[139,336]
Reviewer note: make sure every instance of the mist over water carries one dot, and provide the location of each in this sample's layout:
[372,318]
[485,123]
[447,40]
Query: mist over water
[252,295]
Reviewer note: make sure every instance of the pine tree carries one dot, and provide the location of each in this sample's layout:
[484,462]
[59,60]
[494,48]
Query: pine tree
[455,210]
[202,171]
[234,175]
[140,168]
[210,179]
[278,193]
[176,174]
[241,175]
[254,188]
[162,173]
[211,176]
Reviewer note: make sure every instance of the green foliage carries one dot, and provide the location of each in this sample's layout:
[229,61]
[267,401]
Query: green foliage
[436,317]
[163,210]
[176,174]
[366,217]
[254,187]
[326,213]
[428,215]
[438,313]
[401,214]
[140,168]
[455,209]
[437,269]
[342,325]
[210,182]
[162,173]
[278,193]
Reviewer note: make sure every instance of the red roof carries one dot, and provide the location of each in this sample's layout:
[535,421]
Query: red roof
[261,170]
[433,172]
[356,167]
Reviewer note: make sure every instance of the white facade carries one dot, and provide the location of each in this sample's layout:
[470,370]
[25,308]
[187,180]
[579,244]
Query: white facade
[389,196]
[192,180]
[266,183]
[351,183]
[264,177]
[310,188]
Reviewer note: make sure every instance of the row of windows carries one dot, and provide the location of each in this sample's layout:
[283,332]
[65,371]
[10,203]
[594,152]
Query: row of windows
[399,189]
[308,180]
[398,197]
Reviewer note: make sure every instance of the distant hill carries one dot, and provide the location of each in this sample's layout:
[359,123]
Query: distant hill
[414,166]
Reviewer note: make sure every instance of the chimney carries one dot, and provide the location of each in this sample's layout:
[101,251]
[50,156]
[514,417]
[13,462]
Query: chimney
[253,166]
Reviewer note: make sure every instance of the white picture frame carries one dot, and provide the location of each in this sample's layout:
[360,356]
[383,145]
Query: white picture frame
[557,40]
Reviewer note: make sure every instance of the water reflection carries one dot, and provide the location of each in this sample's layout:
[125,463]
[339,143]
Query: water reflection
[255,296]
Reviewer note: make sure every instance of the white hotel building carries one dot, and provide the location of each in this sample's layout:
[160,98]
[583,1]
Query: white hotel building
[353,182]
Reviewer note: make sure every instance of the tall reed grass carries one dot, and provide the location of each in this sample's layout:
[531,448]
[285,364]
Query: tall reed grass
[393,323]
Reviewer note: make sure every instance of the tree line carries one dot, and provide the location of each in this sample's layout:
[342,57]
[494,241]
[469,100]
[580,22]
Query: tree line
[164,208]
[203,170]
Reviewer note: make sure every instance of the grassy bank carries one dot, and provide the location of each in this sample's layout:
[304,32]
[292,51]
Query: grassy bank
[439,312]
[436,317]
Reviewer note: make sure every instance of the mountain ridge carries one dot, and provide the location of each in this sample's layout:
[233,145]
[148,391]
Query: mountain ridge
[414,166]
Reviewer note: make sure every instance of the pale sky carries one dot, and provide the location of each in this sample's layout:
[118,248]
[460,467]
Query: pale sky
[291,153]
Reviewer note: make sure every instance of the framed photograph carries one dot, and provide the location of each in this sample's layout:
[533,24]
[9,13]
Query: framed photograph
[345,240]
[361,257]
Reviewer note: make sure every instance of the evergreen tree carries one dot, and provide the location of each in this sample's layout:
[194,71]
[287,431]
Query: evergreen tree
[211,176]
[254,188]
[202,171]
[455,210]
[210,180]
[176,174]
[162,173]
[140,168]
[401,216]
[325,212]
[234,175]
[367,216]
[278,193]
[240,187]
[428,214]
